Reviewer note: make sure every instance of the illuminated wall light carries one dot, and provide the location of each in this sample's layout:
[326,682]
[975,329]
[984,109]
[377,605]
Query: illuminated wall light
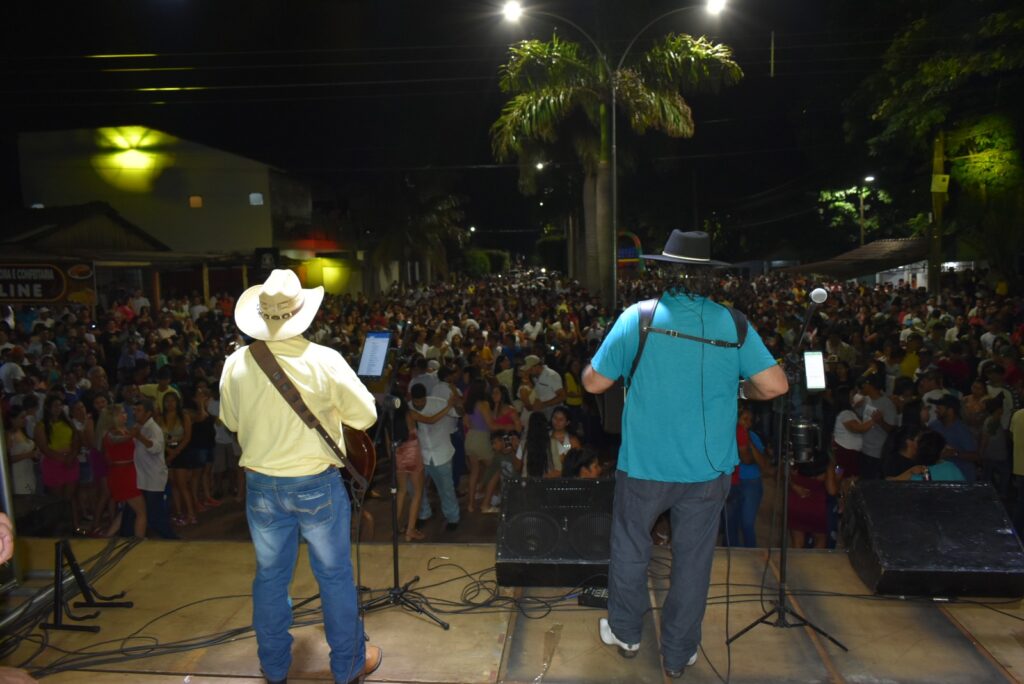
[132,157]
[195,201]
[256,199]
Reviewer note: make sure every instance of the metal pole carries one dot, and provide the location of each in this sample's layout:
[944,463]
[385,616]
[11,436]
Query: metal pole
[615,195]
[860,195]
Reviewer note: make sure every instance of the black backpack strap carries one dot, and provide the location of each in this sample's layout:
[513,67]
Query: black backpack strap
[740,319]
[646,312]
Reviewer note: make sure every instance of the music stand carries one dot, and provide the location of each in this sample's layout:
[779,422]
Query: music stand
[377,373]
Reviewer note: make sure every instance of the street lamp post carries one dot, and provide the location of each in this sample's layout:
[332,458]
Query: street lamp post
[513,11]
[860,195]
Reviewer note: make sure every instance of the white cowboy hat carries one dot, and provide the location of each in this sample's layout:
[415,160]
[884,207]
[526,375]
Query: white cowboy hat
[279,308]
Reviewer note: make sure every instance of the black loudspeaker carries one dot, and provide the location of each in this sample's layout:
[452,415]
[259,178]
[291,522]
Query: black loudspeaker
[932,539]
[554,532]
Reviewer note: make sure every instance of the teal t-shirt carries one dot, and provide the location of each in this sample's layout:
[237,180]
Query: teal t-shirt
[679,419]
[943,471]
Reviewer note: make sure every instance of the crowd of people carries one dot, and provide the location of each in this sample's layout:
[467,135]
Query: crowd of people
[118,414]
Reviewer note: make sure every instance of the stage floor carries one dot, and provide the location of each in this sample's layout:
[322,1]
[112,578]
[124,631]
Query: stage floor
[889,641]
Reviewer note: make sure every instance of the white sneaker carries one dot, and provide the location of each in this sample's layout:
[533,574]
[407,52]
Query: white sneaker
[609,638]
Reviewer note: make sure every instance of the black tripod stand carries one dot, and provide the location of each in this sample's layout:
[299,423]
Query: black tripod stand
[397,594]
[784,615]
[798,444]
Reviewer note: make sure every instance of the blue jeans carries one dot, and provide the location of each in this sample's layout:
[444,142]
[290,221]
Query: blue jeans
[696,508]
[442,477]
[157,517]
[742,507]
[317,506]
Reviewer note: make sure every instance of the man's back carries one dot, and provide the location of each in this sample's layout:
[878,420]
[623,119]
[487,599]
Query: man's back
[680,415]
[273,438]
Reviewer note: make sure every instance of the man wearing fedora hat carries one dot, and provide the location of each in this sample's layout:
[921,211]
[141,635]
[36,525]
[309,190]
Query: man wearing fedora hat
[678,445]
[292,477]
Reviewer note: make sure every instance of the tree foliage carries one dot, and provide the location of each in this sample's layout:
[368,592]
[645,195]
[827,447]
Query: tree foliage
[839,209]
[959,57]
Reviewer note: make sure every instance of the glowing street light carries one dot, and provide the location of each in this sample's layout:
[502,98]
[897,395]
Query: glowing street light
[512,10]
[472,229]
[540,166]
[715,6]
[869,179]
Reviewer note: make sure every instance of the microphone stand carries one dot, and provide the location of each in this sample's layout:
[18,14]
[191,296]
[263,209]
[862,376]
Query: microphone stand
[782,610]
[397,594]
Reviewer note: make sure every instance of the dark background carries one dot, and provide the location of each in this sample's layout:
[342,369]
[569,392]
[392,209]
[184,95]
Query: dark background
[350,95]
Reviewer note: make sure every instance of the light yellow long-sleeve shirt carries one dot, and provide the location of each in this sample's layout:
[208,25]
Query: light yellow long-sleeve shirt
[274,440]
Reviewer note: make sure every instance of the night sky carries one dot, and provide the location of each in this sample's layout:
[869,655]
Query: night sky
[345,94]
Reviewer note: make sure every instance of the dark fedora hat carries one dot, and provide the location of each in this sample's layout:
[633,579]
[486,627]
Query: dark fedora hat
[692,248]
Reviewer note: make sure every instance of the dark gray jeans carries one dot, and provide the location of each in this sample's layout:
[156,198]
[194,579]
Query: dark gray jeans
[695,509]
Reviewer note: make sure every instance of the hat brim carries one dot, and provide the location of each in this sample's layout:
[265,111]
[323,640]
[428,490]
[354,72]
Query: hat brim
[249,321]
[683,261]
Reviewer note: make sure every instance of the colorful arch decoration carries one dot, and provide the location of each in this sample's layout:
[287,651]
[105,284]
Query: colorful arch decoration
[628,256]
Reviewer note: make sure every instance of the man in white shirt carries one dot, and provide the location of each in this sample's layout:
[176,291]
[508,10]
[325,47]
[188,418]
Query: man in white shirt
[138,301]
[12,371]
[434,428]
[150,468]
[878,408]
[547,385]
[533,328]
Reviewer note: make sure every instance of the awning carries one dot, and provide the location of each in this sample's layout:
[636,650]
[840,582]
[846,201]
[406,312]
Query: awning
[874,257]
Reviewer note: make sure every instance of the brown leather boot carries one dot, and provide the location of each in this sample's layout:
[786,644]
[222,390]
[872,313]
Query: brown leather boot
[374,657]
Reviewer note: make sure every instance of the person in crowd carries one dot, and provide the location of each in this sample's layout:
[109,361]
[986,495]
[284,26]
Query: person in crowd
[537,448]
[298,489]
[88,494]
[118,450]
[994,448]
[747,489]
[880,410]
[478,421]
[563,437]
[409,466]
[201,446]
[547,385]
[972,407]
[848,434]
[431,421]
[928,450]
[810,486]
[22,452]
[59,444]
[502,466]
[503,415]
[574,390]
[151,467]
[177,426]
[961,447]
[679,450]
[583,463]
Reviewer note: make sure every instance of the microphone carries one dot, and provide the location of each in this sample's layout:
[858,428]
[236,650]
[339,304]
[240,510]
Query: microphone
[818,297]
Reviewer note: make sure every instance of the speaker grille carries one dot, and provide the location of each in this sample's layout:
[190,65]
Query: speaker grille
[589,536]
[532,535]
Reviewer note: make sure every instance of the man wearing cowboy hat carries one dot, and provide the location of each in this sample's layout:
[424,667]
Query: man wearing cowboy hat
[292,477]
[678,446]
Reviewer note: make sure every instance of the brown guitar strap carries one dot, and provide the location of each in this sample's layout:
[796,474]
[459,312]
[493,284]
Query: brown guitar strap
[279,379]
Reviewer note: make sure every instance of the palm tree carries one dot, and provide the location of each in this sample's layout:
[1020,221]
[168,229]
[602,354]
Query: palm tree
[558,91]
[407,224]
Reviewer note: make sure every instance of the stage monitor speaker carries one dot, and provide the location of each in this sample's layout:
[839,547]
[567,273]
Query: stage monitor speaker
[932,539]
[554,532]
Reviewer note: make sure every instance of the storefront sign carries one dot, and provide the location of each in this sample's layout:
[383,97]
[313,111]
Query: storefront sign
[30,283]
